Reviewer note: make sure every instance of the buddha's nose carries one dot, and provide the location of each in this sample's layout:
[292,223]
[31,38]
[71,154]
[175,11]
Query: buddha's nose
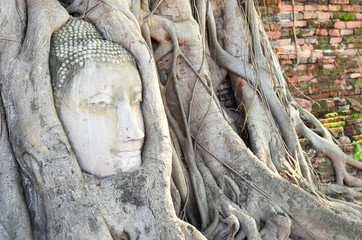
[128,128]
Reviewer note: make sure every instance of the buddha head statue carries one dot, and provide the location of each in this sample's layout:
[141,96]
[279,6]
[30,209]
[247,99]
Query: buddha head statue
[97,92]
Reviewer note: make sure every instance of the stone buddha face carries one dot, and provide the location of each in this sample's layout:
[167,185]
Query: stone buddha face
[102,116]
[99,103]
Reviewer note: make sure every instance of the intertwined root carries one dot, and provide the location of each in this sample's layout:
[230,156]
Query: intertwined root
[277,147]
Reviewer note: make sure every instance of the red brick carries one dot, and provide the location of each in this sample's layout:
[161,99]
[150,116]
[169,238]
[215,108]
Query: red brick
[322,32]
[346,32]
[335,40]
[323,15]
[294,79]
[321,8]
[339,25]
[299,8]
[313,40]
[300,41]
[286,24]
[309,33]
[312,67]
[340,82]
[339,1]
[273,35]
[349,52]
[292,56]
[307,47]
[284,42]
[349,8]
[300,23]
[334,8]
[354,75]
[334,32]
[302,67]
[309,8]
[317,54]
[328,66]
[300,78]
[274,27]
[358,16]
[305,54]
[353,24]
[273,9]
[308,15]
[286,8]
[284,50]
[326,61]
[285,62]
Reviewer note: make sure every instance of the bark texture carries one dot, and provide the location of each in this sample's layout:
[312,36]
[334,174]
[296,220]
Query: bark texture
[201,175]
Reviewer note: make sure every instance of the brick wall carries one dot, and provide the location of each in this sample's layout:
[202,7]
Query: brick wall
[329,42]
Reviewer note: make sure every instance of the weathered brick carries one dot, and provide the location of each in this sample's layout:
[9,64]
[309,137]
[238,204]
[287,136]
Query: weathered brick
[323,15]
[300,23]
[335,40]
[339,25]
[273,9]
[349,52]
[317,53]
[327,24]
[329,66]
[286,8]
[349,8]
[329,60]
[358,16]
[339,1]
[311,40]
[308,32]
[353,24]
[307,47]
[345,32]
[354,75]
[273,35]
[313,24]
[321,7]
[299,8]
[300,41]
[285,62]
[274,27]
[305,54]
[334,32]
[309,15]
[309,8]
[322,32]
[285,15]
[286,24]
[285,49]
[302,67]
[284,42]
[334,8]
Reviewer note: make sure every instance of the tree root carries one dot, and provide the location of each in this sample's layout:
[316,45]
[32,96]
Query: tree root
[226,212]
[335,154]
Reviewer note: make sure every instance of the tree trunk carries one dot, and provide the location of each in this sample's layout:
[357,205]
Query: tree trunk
[198,178]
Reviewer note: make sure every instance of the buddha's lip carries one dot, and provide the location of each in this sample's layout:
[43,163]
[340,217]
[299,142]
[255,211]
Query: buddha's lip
[126,153]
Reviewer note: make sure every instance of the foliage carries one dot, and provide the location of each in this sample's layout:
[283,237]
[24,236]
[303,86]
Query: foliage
[358,152]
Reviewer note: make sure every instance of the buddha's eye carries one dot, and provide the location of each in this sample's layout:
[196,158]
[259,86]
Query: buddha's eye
[137,99]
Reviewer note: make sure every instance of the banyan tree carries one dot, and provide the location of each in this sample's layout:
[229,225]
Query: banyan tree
[111,128]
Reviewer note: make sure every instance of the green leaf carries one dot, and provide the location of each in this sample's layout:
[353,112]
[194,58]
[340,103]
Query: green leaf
[357,156]
[358,148]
